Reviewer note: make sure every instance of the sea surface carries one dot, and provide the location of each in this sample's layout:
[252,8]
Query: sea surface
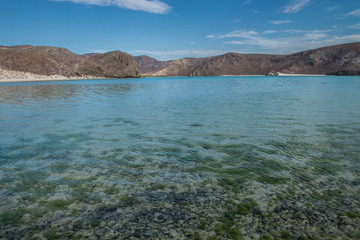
[181,158]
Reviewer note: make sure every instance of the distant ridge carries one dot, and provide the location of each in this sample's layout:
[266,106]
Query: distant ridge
[42,60]
[149,65]
[341,59]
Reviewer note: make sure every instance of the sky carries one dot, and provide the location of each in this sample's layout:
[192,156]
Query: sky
[172,29]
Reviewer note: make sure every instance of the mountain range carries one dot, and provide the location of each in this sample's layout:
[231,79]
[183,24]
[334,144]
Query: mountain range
[334,60]
[48,61]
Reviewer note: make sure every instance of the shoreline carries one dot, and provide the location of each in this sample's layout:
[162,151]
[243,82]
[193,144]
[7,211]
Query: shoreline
[299,75]
[9,76]
[282,75]
[63,78]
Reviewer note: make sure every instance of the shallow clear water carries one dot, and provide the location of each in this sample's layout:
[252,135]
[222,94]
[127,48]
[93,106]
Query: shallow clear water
[221,157]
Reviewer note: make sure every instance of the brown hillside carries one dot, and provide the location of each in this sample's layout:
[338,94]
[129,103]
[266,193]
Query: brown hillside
[150,65]
[60,61]
[340,59]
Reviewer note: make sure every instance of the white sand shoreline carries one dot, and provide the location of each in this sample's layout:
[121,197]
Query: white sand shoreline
[300,75]
[8,76]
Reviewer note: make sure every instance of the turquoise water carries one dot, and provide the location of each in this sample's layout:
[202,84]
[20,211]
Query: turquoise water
[181,158]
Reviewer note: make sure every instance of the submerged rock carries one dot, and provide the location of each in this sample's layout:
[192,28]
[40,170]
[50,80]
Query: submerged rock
[272,73]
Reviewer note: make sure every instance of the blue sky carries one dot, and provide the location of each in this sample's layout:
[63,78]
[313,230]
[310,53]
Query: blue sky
[170,29]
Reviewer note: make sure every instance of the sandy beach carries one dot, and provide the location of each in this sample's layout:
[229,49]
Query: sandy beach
[18,76]
[298,75]
[7,76]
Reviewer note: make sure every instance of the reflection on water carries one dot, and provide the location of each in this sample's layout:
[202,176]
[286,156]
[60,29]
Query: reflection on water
[181,158]
[19,94]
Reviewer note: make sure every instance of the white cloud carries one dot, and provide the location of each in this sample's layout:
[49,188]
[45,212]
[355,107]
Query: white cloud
[247,2]
[245,41]
[265,43]
[297,31]
[354,13]
[332,8]
[153,6]
[210,36]
[295,5]
[336,40]
[293,41]
[98,51]
[356,26]
[239,34]
[314,35]
[270,31]
[280,21]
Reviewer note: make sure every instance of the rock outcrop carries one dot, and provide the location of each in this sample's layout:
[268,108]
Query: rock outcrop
[334,60]
[272,73]
[60,61]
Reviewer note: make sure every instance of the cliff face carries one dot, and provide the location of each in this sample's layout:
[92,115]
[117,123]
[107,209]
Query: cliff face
[338,60]
[150,65]
[60,61]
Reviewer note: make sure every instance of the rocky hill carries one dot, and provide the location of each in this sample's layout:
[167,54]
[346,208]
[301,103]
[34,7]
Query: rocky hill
[60,61]
[52,61]
[334,60]
[149,65]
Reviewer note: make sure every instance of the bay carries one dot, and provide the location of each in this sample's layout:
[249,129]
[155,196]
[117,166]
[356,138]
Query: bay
[181,158]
